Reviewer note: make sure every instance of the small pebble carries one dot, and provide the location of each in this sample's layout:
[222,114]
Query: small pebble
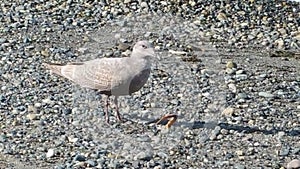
[266,94]
[32,116]
[50,153]
[79,157]
[231,65]
[229,111]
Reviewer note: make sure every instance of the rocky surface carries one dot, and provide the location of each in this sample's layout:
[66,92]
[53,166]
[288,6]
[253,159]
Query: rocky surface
[229,69]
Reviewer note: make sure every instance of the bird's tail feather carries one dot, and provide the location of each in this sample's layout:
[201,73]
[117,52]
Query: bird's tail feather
[54,68]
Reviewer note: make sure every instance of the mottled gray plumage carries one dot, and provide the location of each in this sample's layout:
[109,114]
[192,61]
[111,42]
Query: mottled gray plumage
[111,76]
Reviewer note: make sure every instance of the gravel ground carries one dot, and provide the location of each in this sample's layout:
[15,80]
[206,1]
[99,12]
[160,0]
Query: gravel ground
[228,69]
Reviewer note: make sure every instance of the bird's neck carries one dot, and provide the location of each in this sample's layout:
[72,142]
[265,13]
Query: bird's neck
[141,62]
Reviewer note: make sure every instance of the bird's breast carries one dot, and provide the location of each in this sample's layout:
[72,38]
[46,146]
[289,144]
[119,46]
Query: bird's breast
[139,80]
[131,77]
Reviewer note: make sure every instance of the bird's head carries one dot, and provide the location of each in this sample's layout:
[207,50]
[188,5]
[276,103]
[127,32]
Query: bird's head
[143,49]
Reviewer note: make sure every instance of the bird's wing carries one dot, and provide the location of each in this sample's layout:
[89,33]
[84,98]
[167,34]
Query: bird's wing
[95,74]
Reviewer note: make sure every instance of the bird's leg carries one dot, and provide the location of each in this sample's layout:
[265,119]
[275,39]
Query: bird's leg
[117,109]
[170,122]
[106,110]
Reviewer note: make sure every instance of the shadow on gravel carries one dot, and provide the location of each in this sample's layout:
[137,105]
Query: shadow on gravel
[244,129]
[239,128]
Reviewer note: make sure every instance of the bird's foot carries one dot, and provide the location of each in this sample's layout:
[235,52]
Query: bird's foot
[107,120]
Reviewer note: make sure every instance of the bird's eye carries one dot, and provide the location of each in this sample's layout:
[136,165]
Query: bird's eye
[144,46]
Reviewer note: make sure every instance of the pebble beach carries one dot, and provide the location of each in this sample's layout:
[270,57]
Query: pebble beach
[230,70]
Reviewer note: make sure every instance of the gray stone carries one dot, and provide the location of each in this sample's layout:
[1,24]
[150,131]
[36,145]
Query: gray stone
[91,163]
[79,157]
[266,94]
[144,138]
[284,151]
[144,155]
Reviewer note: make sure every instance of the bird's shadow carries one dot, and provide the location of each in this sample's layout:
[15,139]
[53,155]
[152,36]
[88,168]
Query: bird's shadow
[243,129]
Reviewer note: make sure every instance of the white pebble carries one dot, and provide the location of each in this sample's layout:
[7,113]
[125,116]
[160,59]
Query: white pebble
[50,153]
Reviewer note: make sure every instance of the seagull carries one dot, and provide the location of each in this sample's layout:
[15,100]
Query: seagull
[113,76]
